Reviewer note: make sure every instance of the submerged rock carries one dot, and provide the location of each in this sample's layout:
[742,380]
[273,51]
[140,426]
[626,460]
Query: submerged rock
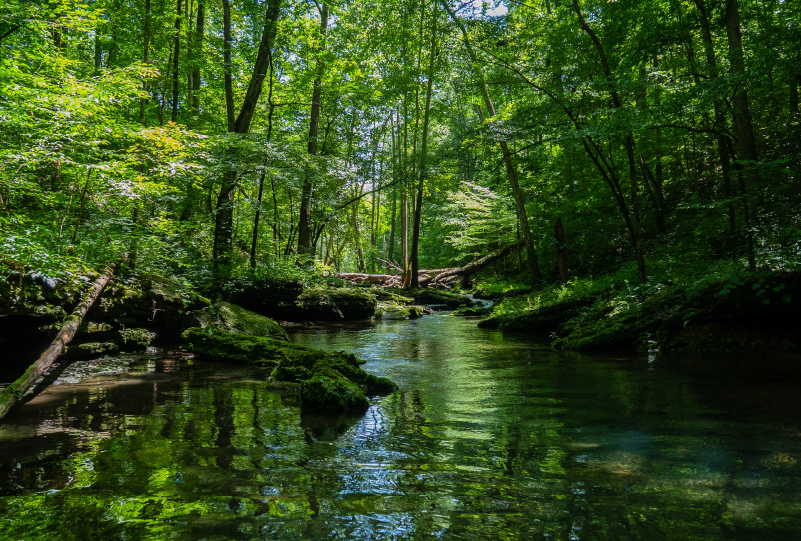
[327,382]
[392,310]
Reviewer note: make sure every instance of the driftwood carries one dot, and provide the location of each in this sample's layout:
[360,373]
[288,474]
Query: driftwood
[16,390]
[443,278]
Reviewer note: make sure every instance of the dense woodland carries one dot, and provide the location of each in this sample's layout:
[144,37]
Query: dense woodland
[281,138]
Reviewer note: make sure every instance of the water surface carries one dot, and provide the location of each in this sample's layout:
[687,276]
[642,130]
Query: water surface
[491,437]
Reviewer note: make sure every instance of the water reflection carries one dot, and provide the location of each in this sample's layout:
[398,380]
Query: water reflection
[491,438]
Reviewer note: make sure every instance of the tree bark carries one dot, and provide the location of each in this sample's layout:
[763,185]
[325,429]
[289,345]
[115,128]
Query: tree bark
[511,169]
[16,390]
[722,145]
[197,55]
[223,226]
[304,223]
[632,215]
[145,59]
[561,251]
[746,147]
[421,170]
[176,50]
[229,86]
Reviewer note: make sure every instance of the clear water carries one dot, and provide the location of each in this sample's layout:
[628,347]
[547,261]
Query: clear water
[491,437]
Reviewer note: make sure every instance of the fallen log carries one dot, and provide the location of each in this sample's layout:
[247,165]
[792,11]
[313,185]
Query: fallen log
[433,277]
[475,266]
[17,390]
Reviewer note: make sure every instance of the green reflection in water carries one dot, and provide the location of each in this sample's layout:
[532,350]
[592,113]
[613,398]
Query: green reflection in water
[491,438]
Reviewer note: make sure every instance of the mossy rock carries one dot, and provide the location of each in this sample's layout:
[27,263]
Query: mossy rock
[340,303]
[392,311]
[136,337]
[416,312]
[385,294]
[90,349]
[546,318]
[489,322]
[329,382]
[237,320]
[437,297]
[619,330]
[472,311]
[154,302]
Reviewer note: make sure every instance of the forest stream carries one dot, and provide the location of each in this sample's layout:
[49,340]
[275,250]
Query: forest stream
[490,437]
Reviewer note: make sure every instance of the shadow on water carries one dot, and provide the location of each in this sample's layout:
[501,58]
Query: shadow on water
[490,437]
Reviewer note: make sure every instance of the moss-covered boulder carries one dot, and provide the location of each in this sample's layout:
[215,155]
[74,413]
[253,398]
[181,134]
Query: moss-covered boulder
[90,349]
[334,304]
[154,302]
[472,311]
[542,319]
[235,319]
[435,297]
[293,301]
[328,382]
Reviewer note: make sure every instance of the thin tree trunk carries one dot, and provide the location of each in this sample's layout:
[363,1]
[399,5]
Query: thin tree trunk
[224,211]
[227,66]
[176,53]
[304,223]
[145,59]
[631,215]
[16,390]
[722,145]
[198,54]
[511,169]
[81,208]
[261,180]
[746,148]
[404,198]
[561,251]
[421,171]
[276,227]
[391,252]
[256,224]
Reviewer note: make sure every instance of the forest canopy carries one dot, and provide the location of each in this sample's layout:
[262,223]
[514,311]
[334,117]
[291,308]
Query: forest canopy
[209,139]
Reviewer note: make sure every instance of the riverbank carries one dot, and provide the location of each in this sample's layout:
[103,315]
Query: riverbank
[723,310]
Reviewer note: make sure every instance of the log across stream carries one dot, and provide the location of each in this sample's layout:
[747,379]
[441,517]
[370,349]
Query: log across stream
[489,436]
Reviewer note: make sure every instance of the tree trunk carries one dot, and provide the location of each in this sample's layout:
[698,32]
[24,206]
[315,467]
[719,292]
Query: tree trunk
[16,390]
[176,50]
[746,148]
[511,169]
[632,214]
[256,224]
[405,199]
[198,54]
[304,223]
[229,87]
[223,226]
[561,251]
[145,59]
[421,171]
[722,145]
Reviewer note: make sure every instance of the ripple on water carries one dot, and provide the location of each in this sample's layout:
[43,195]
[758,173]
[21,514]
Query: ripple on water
[491,437]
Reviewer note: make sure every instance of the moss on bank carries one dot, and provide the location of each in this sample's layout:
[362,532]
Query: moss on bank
[699,314]
[328,382]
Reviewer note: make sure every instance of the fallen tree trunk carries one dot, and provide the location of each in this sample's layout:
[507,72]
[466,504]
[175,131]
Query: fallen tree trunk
[434,277]
[477,265]
[16,390]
